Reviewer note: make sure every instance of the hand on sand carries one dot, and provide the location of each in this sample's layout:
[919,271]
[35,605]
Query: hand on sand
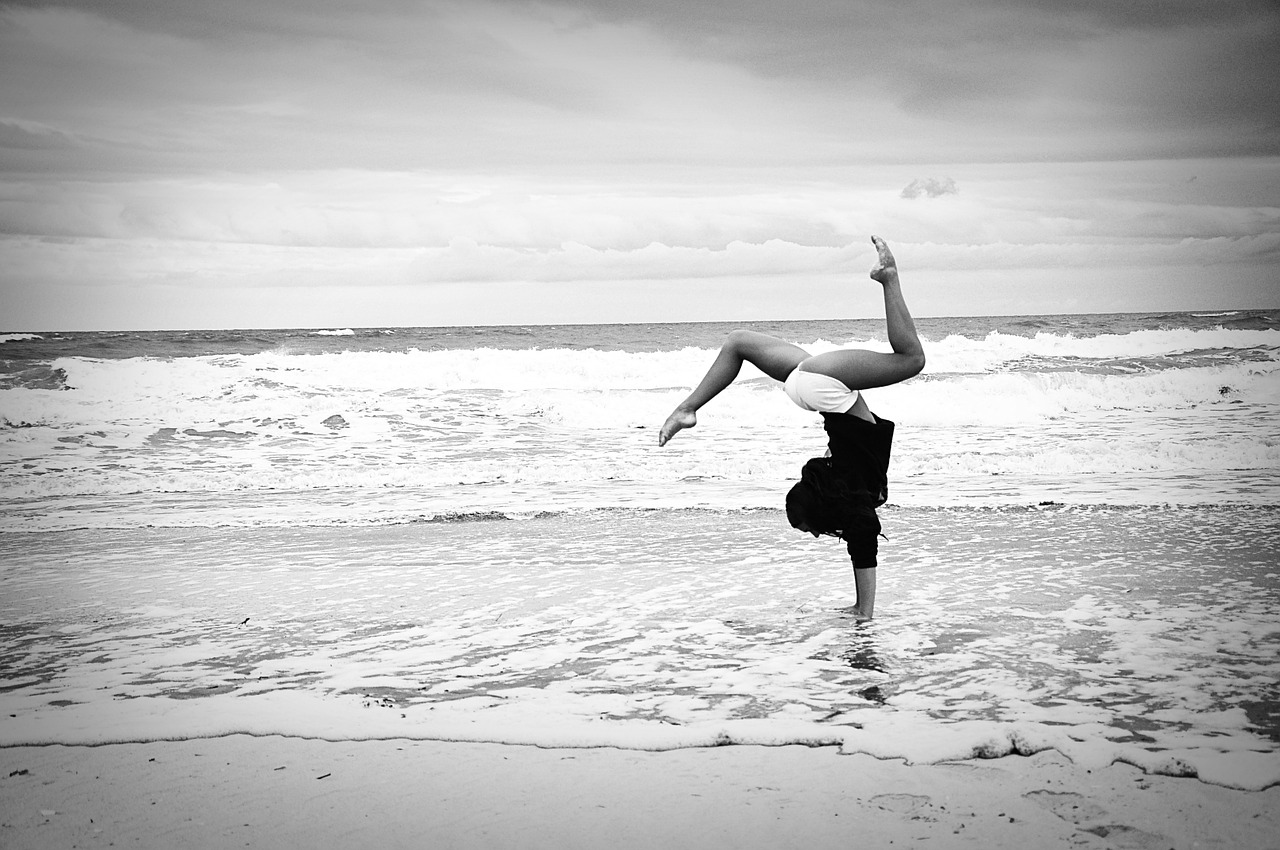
[886,268]
[677,421]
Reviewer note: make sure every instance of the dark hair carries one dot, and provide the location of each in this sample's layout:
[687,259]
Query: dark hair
[807,510]
[820,503]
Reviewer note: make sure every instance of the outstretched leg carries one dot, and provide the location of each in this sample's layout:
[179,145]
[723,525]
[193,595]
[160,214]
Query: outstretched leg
[858,369]
[773,356]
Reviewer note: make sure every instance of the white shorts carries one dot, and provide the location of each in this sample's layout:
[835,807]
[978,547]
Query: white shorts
[818,392]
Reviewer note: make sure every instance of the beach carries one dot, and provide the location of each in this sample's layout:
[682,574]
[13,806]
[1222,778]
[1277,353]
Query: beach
[438,423]
[399,587]
[312,687]
[290,792]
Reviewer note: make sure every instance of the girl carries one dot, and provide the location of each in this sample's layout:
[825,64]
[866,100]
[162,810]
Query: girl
[837,494]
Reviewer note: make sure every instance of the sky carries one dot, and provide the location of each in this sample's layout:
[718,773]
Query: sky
[177,164]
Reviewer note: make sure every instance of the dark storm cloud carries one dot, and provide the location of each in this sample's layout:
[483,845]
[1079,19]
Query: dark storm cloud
[242,86]
[1150,78]
[248,84]
[23,136]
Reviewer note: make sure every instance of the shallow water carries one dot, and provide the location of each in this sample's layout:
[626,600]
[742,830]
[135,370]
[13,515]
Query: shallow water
[471,534]
[1145,634]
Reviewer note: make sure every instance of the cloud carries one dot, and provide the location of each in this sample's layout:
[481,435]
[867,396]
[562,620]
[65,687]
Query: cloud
[32,135]
[555,143]
[533,219]
[1007,79]
[182,87]
[932,187]
[463,260]
[432,86]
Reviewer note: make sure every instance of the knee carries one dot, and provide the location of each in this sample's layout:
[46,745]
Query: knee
[915,364]
[737,338]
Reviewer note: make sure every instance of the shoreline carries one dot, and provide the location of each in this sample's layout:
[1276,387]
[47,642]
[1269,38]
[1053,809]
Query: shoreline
[564,633]
[279,791]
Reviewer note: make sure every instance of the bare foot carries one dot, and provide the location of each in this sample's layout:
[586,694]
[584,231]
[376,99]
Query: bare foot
[677,421]
[855,612]
[886,268]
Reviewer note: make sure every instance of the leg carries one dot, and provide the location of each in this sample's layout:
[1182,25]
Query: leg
[861,370]
[864,581]
[773,356]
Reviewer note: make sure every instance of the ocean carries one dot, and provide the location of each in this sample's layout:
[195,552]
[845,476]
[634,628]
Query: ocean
[472,534]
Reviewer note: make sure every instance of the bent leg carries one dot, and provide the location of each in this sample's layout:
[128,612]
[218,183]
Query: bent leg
[773,356]
[859,369]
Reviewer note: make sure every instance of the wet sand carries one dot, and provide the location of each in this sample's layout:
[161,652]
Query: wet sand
[288,792]
[143,658]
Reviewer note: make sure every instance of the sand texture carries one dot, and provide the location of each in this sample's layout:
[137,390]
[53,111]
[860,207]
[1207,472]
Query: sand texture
[242,791]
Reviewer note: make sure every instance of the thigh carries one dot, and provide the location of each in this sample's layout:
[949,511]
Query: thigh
[859,369]
[777,358]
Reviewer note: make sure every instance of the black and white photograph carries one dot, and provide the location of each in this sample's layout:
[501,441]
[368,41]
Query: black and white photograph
[687,425]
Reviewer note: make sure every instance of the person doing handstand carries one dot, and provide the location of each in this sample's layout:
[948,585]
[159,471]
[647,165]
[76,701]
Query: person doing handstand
[837,494]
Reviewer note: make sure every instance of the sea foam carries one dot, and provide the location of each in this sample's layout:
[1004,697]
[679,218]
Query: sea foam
[997,633]
[1181,416]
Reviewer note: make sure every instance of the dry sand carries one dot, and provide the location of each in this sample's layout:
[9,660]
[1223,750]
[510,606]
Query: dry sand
[243,791]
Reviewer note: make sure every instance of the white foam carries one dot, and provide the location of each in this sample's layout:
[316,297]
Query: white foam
[661,631]
[403,434]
